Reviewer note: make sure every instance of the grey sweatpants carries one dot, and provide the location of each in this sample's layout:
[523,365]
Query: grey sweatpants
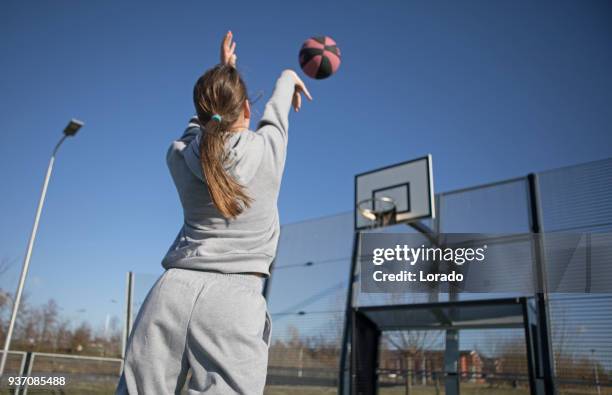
[215,324]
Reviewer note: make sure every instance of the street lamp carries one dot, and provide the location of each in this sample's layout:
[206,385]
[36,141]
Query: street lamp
[70,130]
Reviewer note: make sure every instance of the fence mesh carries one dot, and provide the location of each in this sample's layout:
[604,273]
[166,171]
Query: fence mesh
[83,375]
[15,362]
[578,199]
[310,281]
[491,361]
[307,302]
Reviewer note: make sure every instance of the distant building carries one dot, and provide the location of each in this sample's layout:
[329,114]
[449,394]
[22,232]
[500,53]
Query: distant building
[425,366]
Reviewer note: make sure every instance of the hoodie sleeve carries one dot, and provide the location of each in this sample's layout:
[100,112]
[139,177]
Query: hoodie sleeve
[274,124]
[193,129]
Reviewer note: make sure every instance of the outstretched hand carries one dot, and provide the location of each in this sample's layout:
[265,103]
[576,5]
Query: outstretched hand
[300,88]
[228,57]
[228,50]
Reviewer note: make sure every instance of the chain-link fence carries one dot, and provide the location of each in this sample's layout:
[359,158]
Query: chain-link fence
[579,199]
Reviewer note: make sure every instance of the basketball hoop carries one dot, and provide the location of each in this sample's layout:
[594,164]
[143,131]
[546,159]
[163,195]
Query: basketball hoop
[379,211]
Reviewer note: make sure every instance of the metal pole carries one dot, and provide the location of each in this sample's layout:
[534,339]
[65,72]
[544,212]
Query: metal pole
[26,261]
[344,383]
[129,302]
[596,371]
[541,296]
[451,353]
[451,361]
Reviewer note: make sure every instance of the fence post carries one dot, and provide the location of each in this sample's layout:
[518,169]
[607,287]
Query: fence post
[27,371]
[344,382]
[127,328]
[408,384]
[451,361]
[547,375]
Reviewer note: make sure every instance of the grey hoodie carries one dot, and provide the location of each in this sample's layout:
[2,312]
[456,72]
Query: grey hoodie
[208,241]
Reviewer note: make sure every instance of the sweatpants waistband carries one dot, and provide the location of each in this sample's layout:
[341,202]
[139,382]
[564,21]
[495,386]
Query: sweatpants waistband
[248,280]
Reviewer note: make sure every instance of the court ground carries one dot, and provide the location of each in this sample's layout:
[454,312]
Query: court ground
[466,389]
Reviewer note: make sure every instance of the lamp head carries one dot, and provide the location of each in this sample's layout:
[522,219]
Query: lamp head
[73,127]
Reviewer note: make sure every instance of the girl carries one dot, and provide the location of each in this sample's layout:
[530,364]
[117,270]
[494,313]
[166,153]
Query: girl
[206,313]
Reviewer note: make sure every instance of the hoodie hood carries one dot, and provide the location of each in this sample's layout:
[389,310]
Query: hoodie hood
[245,152]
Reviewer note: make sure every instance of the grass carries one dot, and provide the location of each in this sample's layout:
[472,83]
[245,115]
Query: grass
[466,389]
[294,390]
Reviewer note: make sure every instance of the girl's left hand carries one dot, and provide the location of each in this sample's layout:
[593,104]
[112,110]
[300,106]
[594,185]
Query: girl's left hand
[300,87]
[228,50]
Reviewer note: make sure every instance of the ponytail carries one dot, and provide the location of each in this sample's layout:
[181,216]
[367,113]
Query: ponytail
[228,196]
[219,96]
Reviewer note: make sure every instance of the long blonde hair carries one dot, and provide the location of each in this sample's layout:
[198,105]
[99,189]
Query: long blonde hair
[220,91]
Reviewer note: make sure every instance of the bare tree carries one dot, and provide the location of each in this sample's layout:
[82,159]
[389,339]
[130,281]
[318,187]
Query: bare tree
[412,345]
[81,337]
[49,316]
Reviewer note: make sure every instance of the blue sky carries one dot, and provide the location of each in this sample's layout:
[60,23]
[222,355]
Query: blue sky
[491,89]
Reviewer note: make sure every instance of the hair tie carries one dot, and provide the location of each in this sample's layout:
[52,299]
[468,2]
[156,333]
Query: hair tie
[216,117]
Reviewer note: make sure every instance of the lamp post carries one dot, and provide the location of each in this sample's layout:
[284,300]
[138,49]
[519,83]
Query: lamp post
[70,130]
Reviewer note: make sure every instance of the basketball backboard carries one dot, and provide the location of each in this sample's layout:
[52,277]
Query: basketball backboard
[394,194]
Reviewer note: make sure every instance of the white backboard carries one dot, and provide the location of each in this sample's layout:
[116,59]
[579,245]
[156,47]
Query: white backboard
[409,184]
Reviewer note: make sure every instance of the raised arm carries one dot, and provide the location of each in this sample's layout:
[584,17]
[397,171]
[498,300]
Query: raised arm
[227,56]
[274,124]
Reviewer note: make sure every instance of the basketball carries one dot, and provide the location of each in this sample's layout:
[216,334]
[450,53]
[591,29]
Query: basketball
[319,57]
